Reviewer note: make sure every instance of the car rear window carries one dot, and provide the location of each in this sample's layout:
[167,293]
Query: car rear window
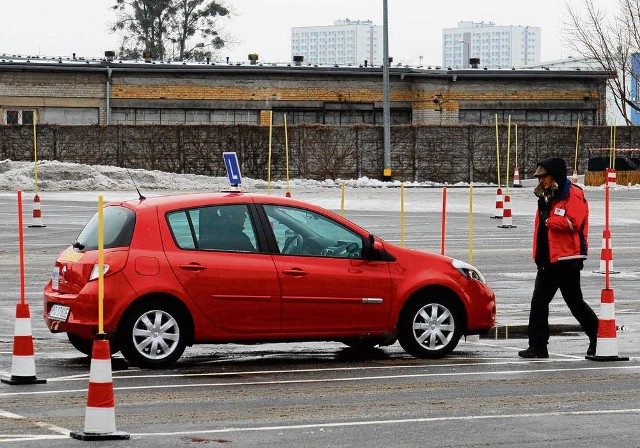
[119,223]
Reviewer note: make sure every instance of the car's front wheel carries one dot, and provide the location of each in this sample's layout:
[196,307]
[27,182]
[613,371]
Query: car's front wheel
[153,335]
[430,327]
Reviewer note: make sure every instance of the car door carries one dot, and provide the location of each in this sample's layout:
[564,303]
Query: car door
[327,286]
[235,287]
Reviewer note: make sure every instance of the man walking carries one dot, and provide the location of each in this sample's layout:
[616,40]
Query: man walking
[559,249]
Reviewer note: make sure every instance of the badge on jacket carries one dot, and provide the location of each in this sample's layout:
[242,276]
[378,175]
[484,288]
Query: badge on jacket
[558,211]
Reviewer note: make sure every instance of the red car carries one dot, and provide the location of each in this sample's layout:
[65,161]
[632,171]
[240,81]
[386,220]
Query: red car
[244,268]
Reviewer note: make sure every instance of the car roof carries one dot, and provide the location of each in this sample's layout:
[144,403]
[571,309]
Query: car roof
[193,199]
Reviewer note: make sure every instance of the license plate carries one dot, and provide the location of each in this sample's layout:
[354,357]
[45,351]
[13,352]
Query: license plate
[59,312]
[55,279]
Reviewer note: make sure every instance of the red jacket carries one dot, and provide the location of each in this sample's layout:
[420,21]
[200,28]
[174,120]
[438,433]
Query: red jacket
[567,225]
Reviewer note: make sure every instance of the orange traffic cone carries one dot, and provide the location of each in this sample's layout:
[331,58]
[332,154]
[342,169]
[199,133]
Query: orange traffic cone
[606,254]
[499,204]
[507,222]
[607,346]
[100,417]
[37,213]
[516,177]
[23,365]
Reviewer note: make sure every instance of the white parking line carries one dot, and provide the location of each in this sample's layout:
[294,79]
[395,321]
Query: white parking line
[334,380]
[392,422]
[26,437]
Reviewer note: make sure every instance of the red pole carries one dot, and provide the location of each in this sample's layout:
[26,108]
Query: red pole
[606,228]
[21,244]
[444,218]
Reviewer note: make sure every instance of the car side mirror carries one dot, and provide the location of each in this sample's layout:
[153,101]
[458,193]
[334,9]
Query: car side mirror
[376,249]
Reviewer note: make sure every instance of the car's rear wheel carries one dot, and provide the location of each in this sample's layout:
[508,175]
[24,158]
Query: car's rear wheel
[85,346]
[153,335]
[430,327]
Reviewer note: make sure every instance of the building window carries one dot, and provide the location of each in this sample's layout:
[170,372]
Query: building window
[19,117]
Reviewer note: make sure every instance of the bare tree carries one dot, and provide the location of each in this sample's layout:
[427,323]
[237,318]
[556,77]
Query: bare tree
[611,42]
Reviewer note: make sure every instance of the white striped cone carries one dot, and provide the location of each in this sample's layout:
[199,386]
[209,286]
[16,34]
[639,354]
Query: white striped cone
[606,254]
[574,178]
[607,345]
[611,177]
[516,177]
[507,222]
[100,414]
[499,204]
[23,364]
[36,220]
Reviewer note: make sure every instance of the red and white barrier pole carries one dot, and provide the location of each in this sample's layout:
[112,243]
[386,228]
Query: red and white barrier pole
[100,415]
[507,222]
[23,367]
[607,344]
[499,204]
[37,213]
[611,179]
[516,177]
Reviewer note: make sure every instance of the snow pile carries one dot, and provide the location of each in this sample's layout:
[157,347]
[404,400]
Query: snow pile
[60,176]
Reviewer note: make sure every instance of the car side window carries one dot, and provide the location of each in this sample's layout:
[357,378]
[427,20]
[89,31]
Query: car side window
[303,232]
[223,227]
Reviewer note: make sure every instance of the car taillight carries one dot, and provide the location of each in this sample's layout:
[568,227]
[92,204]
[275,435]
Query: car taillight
[113,262]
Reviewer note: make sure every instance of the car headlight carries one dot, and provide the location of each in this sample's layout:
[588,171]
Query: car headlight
[468,271]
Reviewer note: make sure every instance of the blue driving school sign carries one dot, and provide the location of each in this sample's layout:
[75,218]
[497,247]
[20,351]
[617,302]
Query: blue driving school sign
[233,168]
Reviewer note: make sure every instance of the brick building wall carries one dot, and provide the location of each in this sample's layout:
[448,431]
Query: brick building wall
[418,96]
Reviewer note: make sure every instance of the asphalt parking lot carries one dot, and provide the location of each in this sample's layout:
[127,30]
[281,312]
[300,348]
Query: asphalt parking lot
[323,394]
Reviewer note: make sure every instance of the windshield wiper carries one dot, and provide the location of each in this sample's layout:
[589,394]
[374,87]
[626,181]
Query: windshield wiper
[77,245]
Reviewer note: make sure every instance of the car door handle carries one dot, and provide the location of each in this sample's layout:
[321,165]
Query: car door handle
[296,272]
[193,267]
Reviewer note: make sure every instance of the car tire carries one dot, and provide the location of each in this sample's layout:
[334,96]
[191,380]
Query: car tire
[85,346]
[153,335]
[430,327]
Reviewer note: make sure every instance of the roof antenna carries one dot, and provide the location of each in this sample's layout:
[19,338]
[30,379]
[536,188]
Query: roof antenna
[134,184]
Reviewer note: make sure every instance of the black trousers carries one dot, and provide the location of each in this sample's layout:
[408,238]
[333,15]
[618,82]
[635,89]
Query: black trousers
[565,276]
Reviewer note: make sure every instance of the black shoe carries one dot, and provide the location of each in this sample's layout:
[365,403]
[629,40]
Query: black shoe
[533,352]
[591,351]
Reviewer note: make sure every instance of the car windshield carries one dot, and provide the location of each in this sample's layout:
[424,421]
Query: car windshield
[118,229]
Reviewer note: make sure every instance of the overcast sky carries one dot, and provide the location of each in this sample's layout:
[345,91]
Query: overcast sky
[63,27]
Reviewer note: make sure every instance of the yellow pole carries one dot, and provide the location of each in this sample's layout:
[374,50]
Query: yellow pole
[35,154]
[286,151]
[516,131]
[269,161]
[402,215]
[470,223]
[342,200]
[575,163]
[508,153]
[497,151]
[610,145]
[100,266]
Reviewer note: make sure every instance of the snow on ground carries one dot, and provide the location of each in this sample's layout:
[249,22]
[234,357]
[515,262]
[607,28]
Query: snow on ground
[86,182]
